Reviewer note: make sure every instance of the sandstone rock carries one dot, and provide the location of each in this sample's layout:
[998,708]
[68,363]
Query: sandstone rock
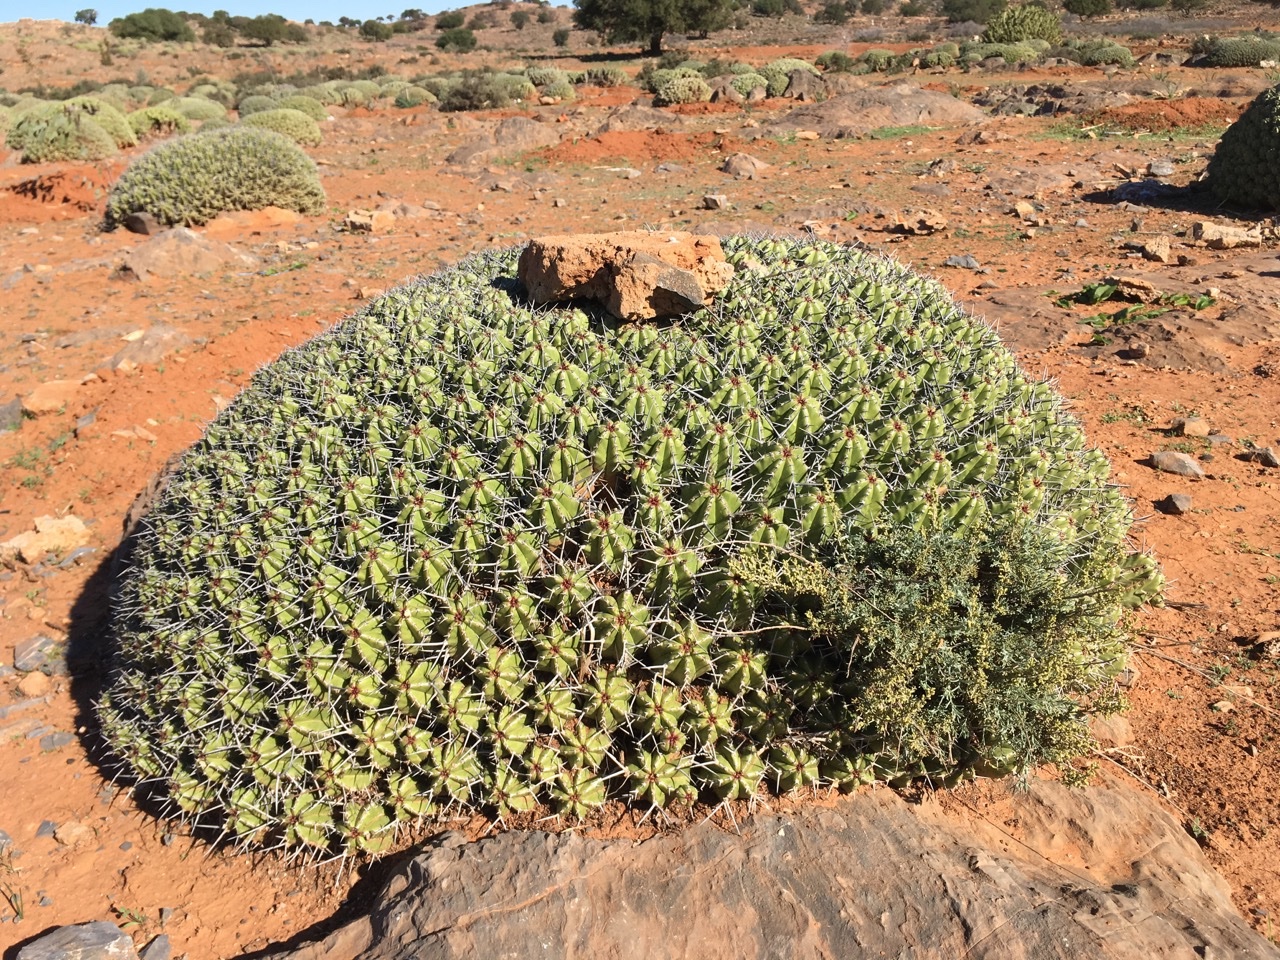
[634,275]
[1172,461]
[370,221]
[143,223]
[743,166]
[1050,874]
[1175,504]
[1219,236]
[1190,427]
[922,223]
[183,253]
[1158,249]
[805,86]
[715,201]
[51,397]
[73,833]
[51,535]
[854,113]
[150,348]
[98,940]
[34,684]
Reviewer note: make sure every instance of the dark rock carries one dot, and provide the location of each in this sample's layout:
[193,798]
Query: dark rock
[13,709]
[1266,456]
[34,653]
[11,415]
[805,86]
[870,875]
[1171,461]
[98,940]
[143,223]
[56,741]
[1174,504]
[85,422]
[966,262]
[47,828]
[158,949]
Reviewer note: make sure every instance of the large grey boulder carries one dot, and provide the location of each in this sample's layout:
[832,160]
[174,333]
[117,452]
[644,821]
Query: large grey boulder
[98,940]
[1053,873]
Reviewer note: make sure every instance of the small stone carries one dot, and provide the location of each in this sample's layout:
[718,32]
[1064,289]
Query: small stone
[34,652]
[1024,210]
[1112,731]
[807,134]
[34,684]
[46,828]
[56,741]
[85,422]
[1218,236]
[715,201]
[1266,456]
[73,833]
[13,709]
[965,261]
[1160,168]
[1175,504]
[51,397]
[6,842]
[1190,427]
[98,940]
[1172,461]
[1223,706]
[126,846]
[1082,223]
[743,166]
[51,535]
[1158,250]
[158,949]
[370,221]
[142,223]
[11,415]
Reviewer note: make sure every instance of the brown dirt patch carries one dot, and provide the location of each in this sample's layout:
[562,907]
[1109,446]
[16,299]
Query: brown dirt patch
[1165,115]
[635,146]
[59,194]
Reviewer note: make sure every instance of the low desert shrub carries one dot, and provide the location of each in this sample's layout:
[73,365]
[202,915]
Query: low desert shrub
[294,124]
[158,121]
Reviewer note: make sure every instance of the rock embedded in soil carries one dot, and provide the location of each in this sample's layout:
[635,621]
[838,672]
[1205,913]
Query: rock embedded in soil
[34,653]
[1172,461]
[743,166]
[158,949]
[1266,456]
[1190,427]
[633,275]
[864,876]
[57,535]
[11,415]
[149,348]
[51,397]
[1175,504]
[98,940]
[1219,236]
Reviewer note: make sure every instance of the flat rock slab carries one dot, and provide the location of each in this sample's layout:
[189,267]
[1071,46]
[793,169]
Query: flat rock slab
[51,535]
[183,253]
[86,941]
[634,275]
[897,105]
[1097,873]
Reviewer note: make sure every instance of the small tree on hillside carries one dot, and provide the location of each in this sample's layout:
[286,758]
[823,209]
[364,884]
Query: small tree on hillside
[626,21]
[154,23]
[267,29]
[375,31]
[87,16]
[1087,8]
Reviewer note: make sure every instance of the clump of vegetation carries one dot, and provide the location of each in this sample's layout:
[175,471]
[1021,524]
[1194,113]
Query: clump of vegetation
[1245,168]
[311,107]
[256,104]
[677,90]
[199,109]
[1245,51]
[778,73]
[159,121]
[458,40]
[462,553]
[62,133]
[192,179]
[836,61]
[1027,21]
[294,124]
[607,77]
[745,83]
[1095,52]
[154,23]
[36,120]
[414,96]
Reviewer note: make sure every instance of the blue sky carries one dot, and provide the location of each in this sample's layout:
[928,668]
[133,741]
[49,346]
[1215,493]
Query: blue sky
[293,9]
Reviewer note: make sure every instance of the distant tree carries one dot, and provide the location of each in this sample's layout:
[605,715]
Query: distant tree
[375,31]
[88,16]
[625,21]
[1188,7]
[1087,8]
[546,15]
[154,23]
[480,21]
[561,37]
[977,11]
[348,22]
[834,12]
[520,18]
[458,39]
[413,13]
[450,19]
[218,33]
[871,7]
[775,8]
[266,29]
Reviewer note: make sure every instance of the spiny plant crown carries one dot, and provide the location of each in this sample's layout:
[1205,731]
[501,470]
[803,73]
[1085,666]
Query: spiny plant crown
[466,553]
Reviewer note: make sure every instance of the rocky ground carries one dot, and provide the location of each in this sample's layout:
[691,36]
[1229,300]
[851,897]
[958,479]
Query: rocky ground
[116,349]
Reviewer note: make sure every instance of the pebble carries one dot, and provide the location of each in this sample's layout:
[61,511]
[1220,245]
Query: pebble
[56,741]
[1172,461]
[965,261]
[98,940]
[11,709]
[34,684]
[73,833]
[46,901]
[1190,427]
[6,842]
[46,828]
[1160,168]
[85,422]
[11,415]
[35,653]
[1175,504]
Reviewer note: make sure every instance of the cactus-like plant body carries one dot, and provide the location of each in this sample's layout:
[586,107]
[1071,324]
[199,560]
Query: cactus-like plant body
[678,90]
[1245,167]
[1025,22]
[294,124]
[463,552]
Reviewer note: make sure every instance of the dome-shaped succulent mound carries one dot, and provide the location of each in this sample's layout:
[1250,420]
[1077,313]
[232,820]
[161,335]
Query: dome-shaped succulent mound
[193,178]
[1245,168]
[463,552]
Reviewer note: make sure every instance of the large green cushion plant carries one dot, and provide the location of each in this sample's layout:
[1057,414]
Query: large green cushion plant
[463,552]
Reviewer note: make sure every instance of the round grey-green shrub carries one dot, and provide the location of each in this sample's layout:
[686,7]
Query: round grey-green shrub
[102,114]
[198,108]
[679,90]
[294,124]
[413,96]
[545,76]
[309,105]
[1019,24]
[256,104]
[160,120]
[62,134]
[160,95]
[744,83]
[466,553]
[561,90]
[194,178]
[1245,167]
